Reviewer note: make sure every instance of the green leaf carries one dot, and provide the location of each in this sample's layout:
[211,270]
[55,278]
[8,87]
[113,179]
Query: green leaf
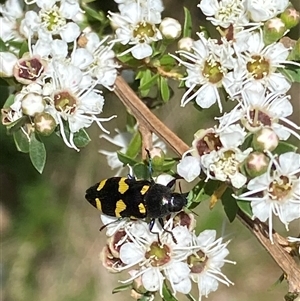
[24,48]
[187,26]
[167,60]
[21,141]
[292,73]
[141,171]
[81,138]
[201,192]
[284,147]
[9,101]
[229,204]
[167,166]
[164,89]
[15,126]
[3,47]
[126,159]
[37,153]
[96,15]
[122,288]
[245,206]
[167,294]
[134,145]
[148,82]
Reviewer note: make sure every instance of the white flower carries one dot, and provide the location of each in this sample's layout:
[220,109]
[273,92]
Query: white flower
[11,11]
[189,168]
[223,163]
[71,98]
[256,67]
[102,67]
[225,12]
[8,61]
[276,191]
[265,10]
[136,29]
[153,7]
[206,66]
[52,19]
[158,259]
[206,261]
[258,109]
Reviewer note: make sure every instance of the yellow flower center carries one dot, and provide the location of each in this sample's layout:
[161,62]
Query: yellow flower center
[258,67]
[158,254]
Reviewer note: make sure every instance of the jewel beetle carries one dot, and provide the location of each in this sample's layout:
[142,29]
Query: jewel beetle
[128,197]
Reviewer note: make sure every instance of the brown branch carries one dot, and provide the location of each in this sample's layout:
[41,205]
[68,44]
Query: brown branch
[148,120]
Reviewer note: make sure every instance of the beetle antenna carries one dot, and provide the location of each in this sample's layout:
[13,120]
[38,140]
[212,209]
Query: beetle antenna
[104,226]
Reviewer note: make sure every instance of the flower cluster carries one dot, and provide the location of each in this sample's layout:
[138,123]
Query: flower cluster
[244,150]
[174,254]
[137,26]
[59,77]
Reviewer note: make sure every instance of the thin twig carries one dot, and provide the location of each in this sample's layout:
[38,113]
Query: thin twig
[147,119]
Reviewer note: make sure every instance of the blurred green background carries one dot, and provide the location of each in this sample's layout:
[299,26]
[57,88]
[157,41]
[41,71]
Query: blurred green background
[50,240]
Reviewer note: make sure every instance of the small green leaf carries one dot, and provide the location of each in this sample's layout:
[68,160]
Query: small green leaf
[167,166]
[126,159]
[134,145]
[37,153]
[81,138]
[245,206]
[9,101]
[21,141]
[148,82]
[167,294]
[167,60]
[164,89]
[187,26]
[201,192]
[291,73]
[96,15]
[15,126]
[122,288]
[3,47]
[24,48]
[284,147]
[229,204]
[141,171]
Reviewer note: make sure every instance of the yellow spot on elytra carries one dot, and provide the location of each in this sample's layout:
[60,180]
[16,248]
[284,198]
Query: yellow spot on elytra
[101,184]
[123,187]
[142,208]
[120,206]
[144,189]
[98,204]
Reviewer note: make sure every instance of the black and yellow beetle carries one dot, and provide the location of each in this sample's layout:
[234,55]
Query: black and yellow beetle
[128,197]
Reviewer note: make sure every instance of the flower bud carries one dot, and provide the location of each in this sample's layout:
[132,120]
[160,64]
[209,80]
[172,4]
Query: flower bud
[265,139]
[273,30]
[8,61]
[295,53]
[157,158]
[256,164]
[32,104]
[170,28]
[185,44]
[44,124]
[290,17]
